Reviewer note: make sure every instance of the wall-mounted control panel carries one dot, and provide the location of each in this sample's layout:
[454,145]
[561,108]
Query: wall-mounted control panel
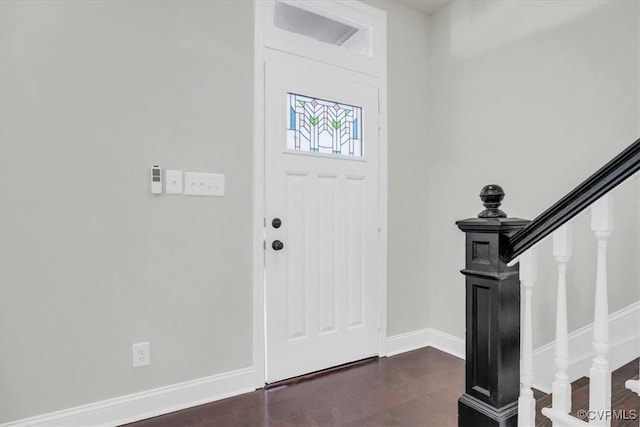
[156,179]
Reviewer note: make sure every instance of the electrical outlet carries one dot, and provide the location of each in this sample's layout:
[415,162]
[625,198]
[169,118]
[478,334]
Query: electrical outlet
[141,354]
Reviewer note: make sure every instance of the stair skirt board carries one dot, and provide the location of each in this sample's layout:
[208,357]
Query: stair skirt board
[624,336]
[624,331]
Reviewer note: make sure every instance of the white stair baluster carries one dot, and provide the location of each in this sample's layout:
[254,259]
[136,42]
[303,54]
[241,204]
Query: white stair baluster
[561,388]
[526,402]
[633,385]
[600,372]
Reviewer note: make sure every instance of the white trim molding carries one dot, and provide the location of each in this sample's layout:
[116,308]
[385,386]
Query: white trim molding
[624,333]
[428,337]
[624,341]
[371,65]
[625,346]
[259,218]
[147,404]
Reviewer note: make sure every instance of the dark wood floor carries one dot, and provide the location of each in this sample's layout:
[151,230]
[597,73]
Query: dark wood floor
[418,388]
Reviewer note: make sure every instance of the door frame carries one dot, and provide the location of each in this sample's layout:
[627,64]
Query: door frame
[267,36]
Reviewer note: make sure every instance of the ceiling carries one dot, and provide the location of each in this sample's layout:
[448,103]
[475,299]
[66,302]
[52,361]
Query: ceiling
[425,6]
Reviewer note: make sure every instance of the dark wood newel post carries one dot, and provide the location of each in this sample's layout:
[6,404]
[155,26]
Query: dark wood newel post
[492,317]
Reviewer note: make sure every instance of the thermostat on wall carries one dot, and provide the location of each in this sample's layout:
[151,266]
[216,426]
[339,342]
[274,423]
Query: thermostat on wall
[156,179]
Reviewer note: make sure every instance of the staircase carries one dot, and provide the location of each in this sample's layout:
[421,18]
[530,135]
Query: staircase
[501,270]
[625,404]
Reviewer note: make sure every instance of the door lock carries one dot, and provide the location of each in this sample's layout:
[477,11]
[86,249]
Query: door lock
[277,245]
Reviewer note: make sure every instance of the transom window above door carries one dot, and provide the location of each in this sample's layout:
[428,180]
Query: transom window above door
[320,126]
[298,17]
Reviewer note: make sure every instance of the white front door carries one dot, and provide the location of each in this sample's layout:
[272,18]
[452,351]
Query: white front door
[322,185]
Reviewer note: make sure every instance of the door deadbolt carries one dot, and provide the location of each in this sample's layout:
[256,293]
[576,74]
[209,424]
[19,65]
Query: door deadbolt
[276,223]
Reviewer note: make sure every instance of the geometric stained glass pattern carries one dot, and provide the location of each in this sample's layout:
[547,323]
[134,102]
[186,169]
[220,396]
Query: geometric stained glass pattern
[320,126]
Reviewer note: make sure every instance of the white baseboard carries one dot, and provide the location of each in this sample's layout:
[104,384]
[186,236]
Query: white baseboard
[147,404]
[625,346]
[428,337]
[624,339]
[152,403]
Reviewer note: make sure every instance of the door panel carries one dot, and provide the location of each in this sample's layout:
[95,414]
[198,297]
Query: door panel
[297,279]
[322,287]
[328,255]
[355,253]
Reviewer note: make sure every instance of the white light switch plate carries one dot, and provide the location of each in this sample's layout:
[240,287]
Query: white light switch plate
[215,185]
[192,184]
[203,184]
[173,182]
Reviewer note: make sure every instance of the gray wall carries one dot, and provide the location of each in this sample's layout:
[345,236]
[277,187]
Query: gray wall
[408,280]
[93,93]
[534,96]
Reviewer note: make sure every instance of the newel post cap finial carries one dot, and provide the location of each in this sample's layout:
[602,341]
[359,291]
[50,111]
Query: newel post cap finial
[491,196]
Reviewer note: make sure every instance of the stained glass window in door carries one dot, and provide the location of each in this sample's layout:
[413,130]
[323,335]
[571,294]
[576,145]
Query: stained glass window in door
[320,126]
